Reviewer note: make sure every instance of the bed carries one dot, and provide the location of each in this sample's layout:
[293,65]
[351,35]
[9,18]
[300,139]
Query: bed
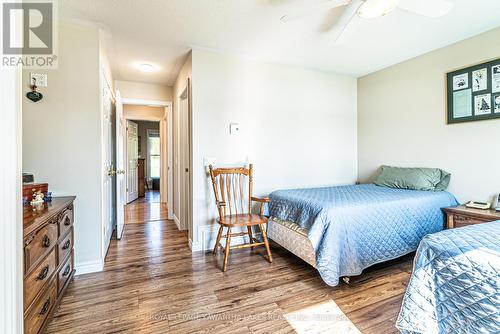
[343,230]
[455,285]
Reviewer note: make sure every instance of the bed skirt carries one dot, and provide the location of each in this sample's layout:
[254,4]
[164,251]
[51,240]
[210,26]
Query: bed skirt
[293,238]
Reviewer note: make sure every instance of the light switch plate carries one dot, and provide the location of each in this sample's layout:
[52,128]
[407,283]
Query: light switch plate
[234,128]
[41,79]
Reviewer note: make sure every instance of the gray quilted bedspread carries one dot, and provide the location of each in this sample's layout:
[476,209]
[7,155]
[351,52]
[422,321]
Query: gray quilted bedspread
[455,285]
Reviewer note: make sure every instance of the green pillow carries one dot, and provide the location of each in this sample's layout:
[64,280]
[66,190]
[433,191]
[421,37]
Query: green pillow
[433,179]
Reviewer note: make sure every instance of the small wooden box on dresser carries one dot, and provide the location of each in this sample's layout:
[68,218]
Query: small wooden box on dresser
[459,216]
[48,259]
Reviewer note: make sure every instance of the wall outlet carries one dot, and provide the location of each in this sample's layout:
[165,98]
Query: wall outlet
[41,79]
[234,128]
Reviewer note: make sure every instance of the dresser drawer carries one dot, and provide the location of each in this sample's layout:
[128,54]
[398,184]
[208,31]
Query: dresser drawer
[36,280]
[461,221]
[65,272]
[40,309]
[65,221]
[65,246]
[38,245]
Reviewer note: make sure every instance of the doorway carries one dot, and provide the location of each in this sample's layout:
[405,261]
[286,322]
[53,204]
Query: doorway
[182,161]
[146,159]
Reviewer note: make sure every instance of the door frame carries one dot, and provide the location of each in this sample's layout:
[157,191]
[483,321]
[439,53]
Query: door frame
[166,140]
[183,224]
[11,211]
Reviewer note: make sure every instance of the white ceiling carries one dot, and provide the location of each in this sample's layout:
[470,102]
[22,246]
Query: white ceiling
[163,31]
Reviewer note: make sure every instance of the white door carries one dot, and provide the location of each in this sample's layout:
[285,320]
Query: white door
[107,168]
[132,157]
[120,167]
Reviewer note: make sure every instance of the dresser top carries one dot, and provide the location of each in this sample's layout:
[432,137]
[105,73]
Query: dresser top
[34,216]
[463,210]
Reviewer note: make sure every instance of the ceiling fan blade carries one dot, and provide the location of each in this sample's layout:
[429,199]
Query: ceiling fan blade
[429,8]
[308,10]
[338,29]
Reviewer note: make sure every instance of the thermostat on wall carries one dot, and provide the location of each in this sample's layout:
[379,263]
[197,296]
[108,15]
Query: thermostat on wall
[234,128]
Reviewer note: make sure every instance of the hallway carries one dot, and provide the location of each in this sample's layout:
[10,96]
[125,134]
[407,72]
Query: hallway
[146,209]
[152,283]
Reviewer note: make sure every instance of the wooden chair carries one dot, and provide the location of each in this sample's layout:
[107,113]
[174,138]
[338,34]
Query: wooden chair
[234,204]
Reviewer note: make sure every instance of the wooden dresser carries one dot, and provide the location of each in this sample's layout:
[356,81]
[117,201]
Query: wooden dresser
[48,259]
[459,216]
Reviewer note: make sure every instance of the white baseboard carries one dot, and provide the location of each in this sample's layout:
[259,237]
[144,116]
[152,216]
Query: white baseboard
[89,267]
[207,235]
[177,222]
[195,246]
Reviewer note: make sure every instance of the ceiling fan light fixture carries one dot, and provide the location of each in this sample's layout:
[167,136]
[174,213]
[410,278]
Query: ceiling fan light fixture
[371,9]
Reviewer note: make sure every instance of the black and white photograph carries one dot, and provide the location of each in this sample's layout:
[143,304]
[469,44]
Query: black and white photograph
[461,81]
[479,80]
[482,104]
[495,79]
[496,102]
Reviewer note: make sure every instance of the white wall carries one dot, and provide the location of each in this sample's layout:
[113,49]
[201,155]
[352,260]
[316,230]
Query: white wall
[62,135]
[402,120]
[298,127]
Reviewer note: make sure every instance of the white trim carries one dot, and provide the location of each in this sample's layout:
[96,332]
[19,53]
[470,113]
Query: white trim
[207,234]
[143,102]
[89,267]
[195,246]
[11,227]
[177,222]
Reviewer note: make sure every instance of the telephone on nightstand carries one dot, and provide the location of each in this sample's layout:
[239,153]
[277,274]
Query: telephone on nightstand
[478,205]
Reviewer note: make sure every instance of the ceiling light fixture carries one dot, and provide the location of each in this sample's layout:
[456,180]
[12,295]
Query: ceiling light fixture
[371,9]
[147,68]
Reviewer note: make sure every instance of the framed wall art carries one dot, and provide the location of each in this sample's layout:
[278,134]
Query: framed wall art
[474,93]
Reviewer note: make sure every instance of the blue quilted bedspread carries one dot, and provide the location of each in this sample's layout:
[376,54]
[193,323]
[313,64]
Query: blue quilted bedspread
[354,227]
[455,286]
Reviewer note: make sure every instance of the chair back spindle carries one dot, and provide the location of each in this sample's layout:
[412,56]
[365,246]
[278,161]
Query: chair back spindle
[233,189]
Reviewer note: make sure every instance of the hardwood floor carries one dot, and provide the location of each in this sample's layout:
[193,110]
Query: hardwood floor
[152,283]
[145,209]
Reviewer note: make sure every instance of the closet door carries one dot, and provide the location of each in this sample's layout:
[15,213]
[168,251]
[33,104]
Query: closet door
[132,159]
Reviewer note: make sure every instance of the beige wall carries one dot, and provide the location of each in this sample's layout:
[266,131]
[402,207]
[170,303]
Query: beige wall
[145,91]
[62,134]
[298,127]
[402,120]
[143,112]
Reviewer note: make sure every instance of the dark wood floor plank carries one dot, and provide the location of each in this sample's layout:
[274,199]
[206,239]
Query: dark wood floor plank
[152,283]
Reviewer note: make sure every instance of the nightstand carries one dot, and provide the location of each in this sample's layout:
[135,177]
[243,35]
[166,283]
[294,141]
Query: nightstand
[459,216]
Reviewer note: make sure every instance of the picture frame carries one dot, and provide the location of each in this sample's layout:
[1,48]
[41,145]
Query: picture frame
[473,93]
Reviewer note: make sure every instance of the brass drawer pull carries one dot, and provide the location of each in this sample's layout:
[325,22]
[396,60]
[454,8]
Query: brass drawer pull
[67,221]
[66,245]
[46,241]
[45,307]
[43,274]
[67,270]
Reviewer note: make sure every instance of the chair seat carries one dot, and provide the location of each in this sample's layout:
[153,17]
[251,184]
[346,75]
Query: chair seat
[242,220]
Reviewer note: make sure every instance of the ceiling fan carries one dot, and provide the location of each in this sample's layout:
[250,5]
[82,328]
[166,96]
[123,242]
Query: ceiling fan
[342,12]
